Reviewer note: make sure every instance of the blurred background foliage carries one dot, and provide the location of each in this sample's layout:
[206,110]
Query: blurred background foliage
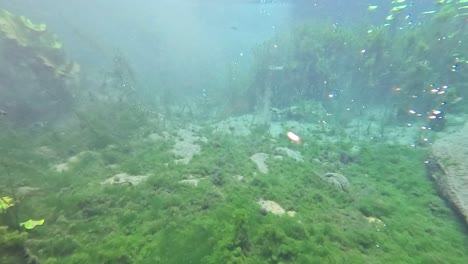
[418,67]
[340,68]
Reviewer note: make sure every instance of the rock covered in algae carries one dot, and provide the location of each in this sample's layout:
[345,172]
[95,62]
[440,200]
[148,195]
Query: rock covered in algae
[274,208]
[296,155]
[35,41]
[186,146]
[36,27]
[125,179]
[450,169]
[260,161]
[337,180]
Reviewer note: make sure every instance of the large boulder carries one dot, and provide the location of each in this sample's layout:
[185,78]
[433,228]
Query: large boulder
[450,169]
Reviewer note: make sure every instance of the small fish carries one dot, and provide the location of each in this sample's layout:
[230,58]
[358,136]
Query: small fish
[456,100]
[276,67]
[293,137]
[3,113]
[372,7]
[398,8]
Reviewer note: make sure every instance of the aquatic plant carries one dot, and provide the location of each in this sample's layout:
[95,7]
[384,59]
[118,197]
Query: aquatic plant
[10,239]
[13,242]
[98,128]
[349,70]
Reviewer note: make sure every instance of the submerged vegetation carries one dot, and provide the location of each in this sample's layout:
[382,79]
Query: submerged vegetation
[219,220]
[419,68]
[123,182]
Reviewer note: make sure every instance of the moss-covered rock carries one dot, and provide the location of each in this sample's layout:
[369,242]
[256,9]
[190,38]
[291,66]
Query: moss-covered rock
[36,74]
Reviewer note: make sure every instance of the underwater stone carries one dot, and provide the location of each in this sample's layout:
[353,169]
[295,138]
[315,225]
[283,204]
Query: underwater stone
[296,155]
[124,178]
[291,213]
[337,180]
[46,151]
[259,159]
[355,150]
[274,208]
[236,126]
[185,150]
[239,177]
[193,182]
[61,167]
[113,166]
[65,166]
[450,169]
[25,190]
[278,157]
[155,137]
[186,147]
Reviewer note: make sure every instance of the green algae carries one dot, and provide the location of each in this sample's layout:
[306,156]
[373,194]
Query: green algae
[220,222]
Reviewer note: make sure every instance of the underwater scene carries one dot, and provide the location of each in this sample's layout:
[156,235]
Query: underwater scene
[240,131]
